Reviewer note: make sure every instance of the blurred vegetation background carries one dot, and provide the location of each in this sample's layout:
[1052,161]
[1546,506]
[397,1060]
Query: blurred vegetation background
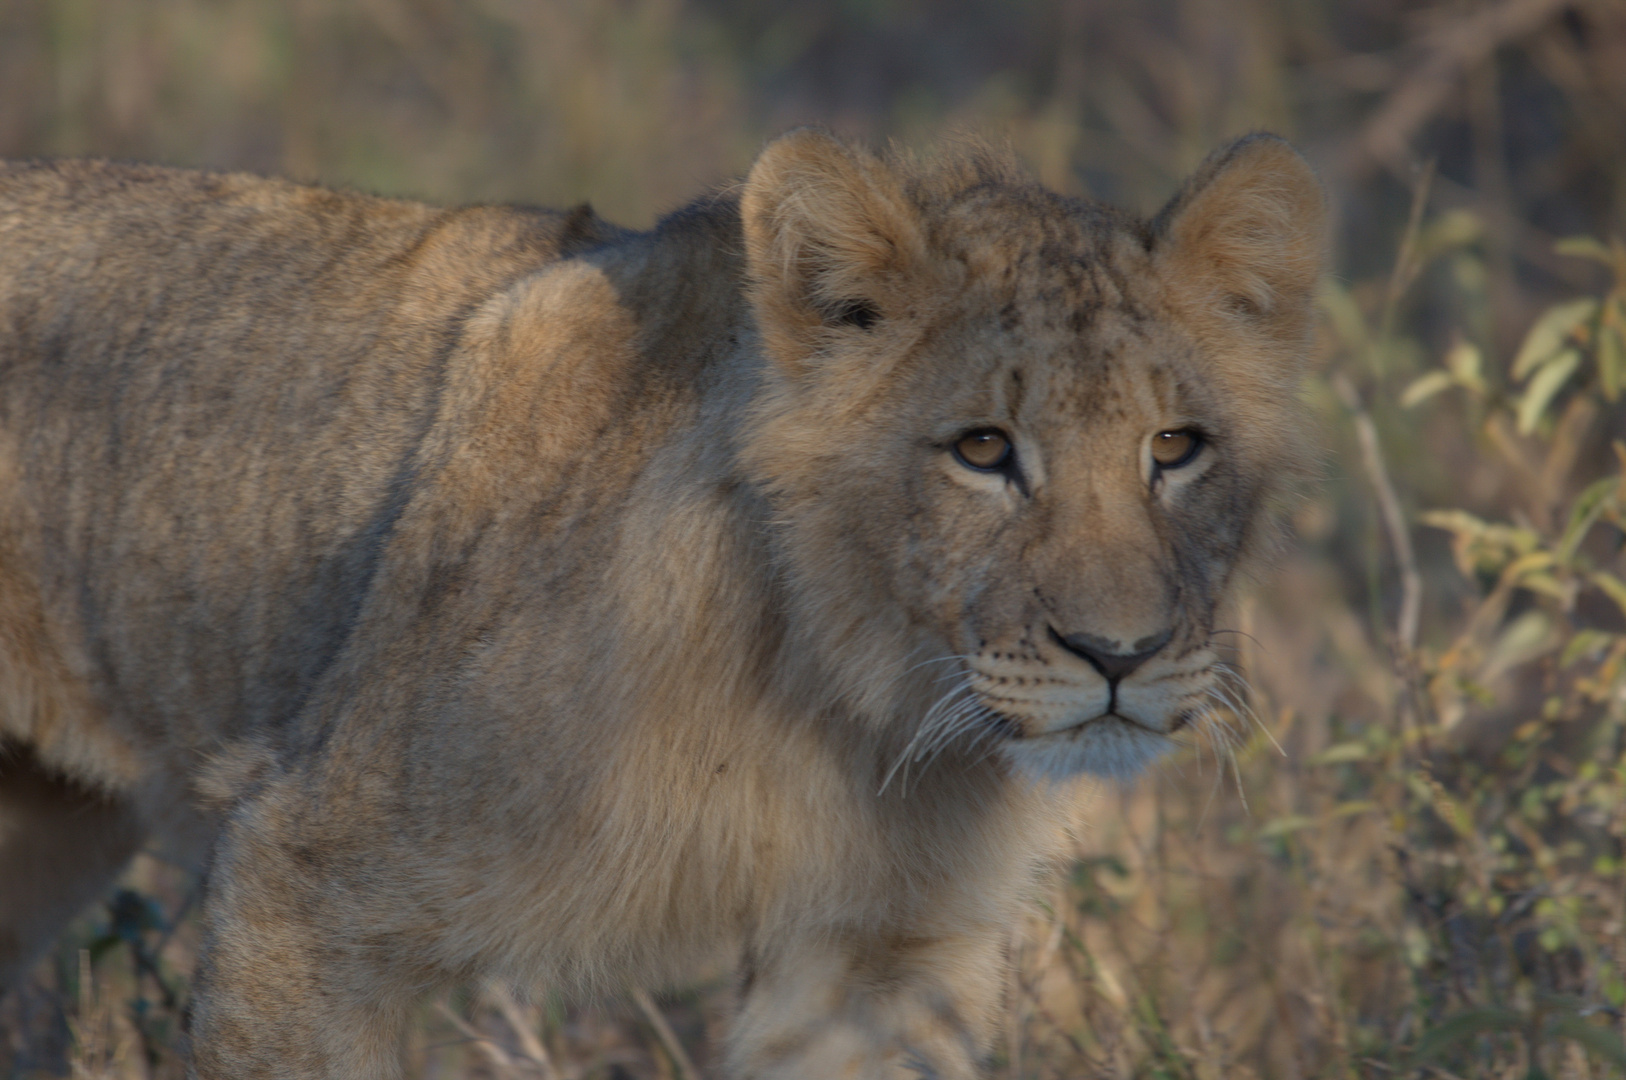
[1405,856]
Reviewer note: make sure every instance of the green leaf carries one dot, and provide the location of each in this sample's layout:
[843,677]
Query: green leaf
[1446,808]
[1583,642]
[1459,522]
[1586,511]
[1585,247]
[1522,640]
[1452,229]
[1426,387]
[1532,571]
[1282,826]
[1357,806]
[1612,587]
[1461,1028]
[1614,988]
[1598,1041]
[1545,584]
[1343,752]
[1466,364]
[1611,356]
[1544,387]
[1548,334]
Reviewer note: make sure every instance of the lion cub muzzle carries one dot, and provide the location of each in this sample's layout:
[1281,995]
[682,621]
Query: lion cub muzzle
[1083,702]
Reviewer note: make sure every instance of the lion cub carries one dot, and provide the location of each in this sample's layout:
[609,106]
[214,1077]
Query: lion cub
[541,600]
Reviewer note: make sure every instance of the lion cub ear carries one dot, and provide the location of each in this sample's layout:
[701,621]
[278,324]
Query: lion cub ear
[1245,237]
[831,240]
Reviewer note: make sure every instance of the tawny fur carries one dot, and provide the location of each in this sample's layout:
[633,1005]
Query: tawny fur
[538,600]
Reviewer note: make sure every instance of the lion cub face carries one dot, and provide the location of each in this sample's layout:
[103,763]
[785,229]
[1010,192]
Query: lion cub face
[1018,444]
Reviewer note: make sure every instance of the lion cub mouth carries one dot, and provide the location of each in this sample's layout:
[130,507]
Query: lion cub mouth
[1175,724]
[1058,723]
[1108,744]
[1050,741]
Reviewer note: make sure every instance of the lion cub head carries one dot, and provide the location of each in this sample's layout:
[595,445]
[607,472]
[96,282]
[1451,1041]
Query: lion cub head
[1017,444]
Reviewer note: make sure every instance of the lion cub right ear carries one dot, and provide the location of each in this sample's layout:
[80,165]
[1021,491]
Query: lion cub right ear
[1246,236]
[832,242]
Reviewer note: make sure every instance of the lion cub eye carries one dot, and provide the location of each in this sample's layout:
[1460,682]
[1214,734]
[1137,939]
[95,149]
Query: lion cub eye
[985,449]
[1172,449]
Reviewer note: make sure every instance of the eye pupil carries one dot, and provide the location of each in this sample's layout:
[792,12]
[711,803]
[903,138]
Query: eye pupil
[1172,449]
[985,449]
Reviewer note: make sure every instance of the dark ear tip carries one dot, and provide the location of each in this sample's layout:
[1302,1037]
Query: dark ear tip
[1264,144]
[1261,137]
[1256,154]
[1254,142]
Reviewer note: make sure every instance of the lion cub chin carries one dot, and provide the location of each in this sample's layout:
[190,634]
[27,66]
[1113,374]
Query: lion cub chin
[530,598]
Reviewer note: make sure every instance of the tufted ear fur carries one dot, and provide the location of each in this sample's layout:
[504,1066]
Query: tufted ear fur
[1245,237]
[831,241]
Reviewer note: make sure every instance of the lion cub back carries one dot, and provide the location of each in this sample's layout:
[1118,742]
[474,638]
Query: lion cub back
[211,389]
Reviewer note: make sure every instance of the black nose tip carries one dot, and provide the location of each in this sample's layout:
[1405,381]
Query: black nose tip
[1103,656]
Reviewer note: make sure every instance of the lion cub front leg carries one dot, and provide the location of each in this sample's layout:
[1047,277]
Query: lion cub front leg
[872,1008]
[298,977]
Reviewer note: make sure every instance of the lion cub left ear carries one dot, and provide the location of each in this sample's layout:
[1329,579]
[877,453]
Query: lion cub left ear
[1245,237]
[831,240]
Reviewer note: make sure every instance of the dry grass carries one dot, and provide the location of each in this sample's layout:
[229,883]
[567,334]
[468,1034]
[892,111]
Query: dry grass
[1406,859]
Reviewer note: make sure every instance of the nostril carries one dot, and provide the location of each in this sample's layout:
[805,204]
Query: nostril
[1103,656]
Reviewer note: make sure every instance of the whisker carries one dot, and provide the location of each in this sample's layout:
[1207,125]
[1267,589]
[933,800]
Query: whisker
[942,713]
[988,733]
[1225,697]
[1236,770]
[964,717]
[906,672]
[937,660]
[1247,711]
[1234,684]
[1226,737]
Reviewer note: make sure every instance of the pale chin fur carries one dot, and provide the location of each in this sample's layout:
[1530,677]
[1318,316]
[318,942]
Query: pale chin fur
[1106,747]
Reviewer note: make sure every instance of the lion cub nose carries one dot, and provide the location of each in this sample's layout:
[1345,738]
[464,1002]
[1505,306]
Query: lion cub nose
[1103,656]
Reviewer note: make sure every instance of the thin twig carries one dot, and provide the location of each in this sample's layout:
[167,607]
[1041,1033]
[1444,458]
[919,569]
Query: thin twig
[1394,519]
[1451,50]
[501,1060]
[1406,265]
[664,1032]
[1048,1017]
[504,1000]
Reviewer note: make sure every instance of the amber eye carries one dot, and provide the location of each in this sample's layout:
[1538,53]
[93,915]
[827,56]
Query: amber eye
[985,449]
[1172,449]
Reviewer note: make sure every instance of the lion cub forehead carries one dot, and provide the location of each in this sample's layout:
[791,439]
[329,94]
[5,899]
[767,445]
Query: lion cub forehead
[1088,352]
[1044,371]
[1051,264]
